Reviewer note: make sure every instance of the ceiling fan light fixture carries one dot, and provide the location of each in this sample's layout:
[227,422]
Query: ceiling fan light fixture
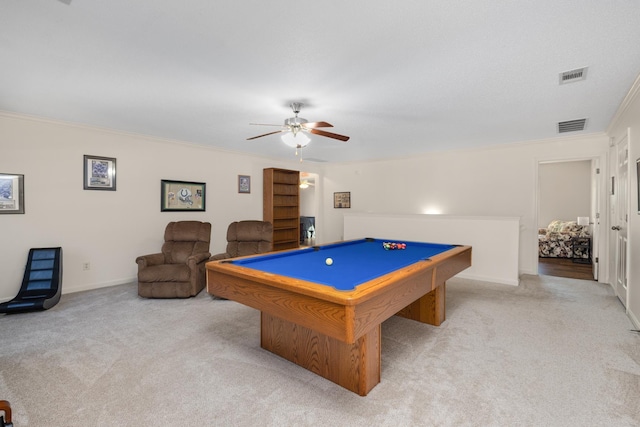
[294,126]
[296,140]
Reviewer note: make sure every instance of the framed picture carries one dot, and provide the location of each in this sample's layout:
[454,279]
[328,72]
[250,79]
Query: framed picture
[182,196]
[244,184]
[342,200]
[99,173]
[11,193]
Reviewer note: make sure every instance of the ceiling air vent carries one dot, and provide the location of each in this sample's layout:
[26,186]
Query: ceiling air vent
[573,75]
[572,125]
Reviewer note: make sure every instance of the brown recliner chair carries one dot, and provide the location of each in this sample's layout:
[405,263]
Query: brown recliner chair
[247,238]
[179,270]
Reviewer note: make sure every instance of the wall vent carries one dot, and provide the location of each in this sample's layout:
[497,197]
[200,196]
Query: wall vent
[573,76]
[572,125]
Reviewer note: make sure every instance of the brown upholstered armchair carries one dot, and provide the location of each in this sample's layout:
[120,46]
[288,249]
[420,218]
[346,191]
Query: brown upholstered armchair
[179,270]
[5,414]
[247,238]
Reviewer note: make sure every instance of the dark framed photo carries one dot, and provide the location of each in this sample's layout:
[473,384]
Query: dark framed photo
[11,193]
[342,200]
[99,173]
[182,196]
[244,184]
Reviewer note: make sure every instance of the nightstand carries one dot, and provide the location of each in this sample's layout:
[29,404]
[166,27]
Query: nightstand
[581,245]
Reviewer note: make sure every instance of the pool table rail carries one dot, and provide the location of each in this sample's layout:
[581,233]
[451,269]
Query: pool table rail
[328,317]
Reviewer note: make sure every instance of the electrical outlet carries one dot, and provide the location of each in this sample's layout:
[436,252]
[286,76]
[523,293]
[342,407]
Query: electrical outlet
[86,266]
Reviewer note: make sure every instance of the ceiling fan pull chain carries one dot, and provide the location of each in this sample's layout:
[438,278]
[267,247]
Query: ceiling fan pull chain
[300,147]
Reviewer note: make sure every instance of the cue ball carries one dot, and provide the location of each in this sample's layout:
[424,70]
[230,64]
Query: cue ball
[328,261]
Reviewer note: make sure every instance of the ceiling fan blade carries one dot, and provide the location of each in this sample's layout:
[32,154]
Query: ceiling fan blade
[329,134]
[317,125]
[266,134]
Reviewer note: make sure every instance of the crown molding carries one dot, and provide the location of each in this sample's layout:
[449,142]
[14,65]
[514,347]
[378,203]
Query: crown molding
[626,102]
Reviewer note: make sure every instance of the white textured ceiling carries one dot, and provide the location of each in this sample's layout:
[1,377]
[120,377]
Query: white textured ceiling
[399,78]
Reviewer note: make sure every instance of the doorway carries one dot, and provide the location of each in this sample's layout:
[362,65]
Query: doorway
[563,267]
[309,207]
[567,219]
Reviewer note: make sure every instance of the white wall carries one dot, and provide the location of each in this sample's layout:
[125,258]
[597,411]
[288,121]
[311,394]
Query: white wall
[498,181]
[628,120]
[494,241]
[565,191]
[110,229]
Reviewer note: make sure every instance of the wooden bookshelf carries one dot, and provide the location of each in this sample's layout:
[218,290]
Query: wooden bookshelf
[281,206]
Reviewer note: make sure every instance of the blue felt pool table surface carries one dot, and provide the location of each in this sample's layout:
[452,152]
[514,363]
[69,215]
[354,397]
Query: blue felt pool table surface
[354,262]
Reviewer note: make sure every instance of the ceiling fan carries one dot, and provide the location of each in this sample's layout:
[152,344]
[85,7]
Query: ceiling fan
[296,125]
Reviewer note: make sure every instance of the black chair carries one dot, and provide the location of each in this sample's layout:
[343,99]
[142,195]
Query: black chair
[41,285]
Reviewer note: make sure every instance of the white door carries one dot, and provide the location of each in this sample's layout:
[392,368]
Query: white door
[620,204]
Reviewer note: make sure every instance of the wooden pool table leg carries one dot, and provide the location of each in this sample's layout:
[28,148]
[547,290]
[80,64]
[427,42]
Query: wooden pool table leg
[355,367]
[428,309]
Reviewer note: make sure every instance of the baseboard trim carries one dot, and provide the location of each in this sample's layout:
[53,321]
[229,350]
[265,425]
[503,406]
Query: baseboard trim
[500,281]
[98,285]
[634,319]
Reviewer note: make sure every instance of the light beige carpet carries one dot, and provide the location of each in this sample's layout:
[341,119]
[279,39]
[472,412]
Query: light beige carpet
[551,352]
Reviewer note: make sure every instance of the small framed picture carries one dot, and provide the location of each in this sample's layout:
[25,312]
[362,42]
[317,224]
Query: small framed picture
[11,193]
[99,173]
[342,200]
[244,184]
[182,196]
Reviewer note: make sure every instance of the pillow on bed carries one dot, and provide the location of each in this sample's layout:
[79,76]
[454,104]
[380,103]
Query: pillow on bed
[554,226]
[570,227]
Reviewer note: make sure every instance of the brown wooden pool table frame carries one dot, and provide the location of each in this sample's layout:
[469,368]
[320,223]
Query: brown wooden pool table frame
[337,334]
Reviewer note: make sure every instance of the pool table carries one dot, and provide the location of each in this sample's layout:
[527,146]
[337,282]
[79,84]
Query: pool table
[327,318]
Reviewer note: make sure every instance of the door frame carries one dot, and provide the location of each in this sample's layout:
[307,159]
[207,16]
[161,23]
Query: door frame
[598,212]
